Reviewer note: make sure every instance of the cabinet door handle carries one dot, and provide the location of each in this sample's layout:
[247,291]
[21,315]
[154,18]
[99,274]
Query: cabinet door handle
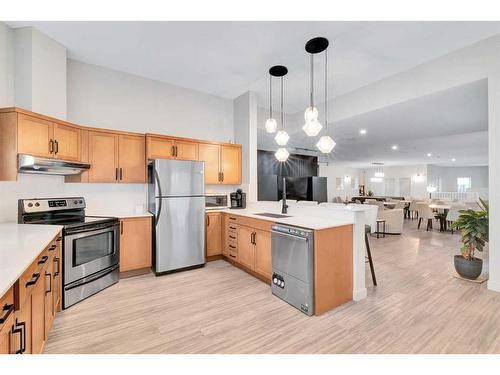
[8,310]
[172,151]
[233,237]
[121,227]
[59,239]
[50,282]
[232,256]
[58,261]
[51,146]
[232,247]
[52,248]
[208,220]
[233,228]
[20,331]
[176,151]
[121,174]
[255,238]
[33,281]
[43,260]
[57,146]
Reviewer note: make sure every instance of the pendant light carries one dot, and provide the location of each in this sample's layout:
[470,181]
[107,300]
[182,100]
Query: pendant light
[379,171]
[271,124]
[312,126]
[282,136]
[326,143]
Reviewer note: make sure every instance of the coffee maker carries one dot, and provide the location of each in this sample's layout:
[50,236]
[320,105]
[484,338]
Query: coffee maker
[238,199]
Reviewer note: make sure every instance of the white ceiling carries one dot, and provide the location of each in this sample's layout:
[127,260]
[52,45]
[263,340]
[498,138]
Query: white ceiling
[449,124]
[230,58]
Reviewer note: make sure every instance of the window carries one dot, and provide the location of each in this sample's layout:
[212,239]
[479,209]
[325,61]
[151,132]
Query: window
[463,184]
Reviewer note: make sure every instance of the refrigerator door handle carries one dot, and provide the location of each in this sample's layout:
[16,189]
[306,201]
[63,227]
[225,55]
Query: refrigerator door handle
[157,178]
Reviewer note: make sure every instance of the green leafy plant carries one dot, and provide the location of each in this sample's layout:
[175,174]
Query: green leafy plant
[473,226]
[370,193]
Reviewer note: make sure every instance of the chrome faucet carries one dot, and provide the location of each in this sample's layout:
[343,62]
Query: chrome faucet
[285,206]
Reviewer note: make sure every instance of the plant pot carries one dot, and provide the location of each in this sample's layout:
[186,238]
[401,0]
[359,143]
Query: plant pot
[469,269]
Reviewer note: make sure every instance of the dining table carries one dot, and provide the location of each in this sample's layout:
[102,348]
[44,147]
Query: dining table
[442,210]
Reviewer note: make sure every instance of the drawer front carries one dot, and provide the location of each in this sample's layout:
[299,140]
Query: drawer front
[32,276]
[232,236]
[232,247]
[233,256]
[6,307]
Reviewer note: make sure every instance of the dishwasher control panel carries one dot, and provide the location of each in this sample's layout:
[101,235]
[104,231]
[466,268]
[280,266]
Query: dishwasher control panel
[278,281]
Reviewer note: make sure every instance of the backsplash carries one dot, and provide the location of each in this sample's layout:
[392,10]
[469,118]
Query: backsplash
[99,197]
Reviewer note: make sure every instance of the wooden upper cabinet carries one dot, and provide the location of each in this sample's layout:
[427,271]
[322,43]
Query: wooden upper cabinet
[186,150]
[210,154]
[263,253]
[34,136]
[231,164]
[159,147]
[135,243]
[132,158]
[67,142]
[103,157]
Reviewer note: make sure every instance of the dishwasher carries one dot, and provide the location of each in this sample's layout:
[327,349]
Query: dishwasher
[293,266]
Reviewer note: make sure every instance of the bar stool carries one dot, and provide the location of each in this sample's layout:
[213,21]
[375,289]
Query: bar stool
[380,221]
[368,258]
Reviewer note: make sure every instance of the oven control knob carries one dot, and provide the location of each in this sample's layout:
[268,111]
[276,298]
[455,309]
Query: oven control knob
[37,204]
[80,201]
[31,205]
[275,280]
[75,202]
[282,284]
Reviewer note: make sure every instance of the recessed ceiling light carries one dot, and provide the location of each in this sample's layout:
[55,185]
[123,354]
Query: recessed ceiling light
[394,147]
[453,159]
[362,131]
[429,154]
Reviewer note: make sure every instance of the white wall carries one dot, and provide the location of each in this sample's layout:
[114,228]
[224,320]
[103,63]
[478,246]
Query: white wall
[417,173]
[332,172]
[449,175]
[107,98]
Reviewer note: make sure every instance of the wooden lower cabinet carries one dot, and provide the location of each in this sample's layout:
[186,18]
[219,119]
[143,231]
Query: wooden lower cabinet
[135,243]
[246,249]
[50,312]
[7,336]
[214,233]
[263,253]
[22,342]
[38,315]
[57,280]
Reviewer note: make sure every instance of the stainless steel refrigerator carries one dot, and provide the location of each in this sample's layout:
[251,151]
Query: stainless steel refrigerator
[176,197]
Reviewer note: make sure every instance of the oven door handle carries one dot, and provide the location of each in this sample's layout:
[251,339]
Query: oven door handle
[85,233]
[289,236]
[91,278]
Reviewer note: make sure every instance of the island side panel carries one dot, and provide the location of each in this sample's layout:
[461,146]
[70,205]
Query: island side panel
[333,254]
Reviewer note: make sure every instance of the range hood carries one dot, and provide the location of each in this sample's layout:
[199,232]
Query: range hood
[35,164]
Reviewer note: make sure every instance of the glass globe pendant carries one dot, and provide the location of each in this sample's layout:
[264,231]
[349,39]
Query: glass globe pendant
[312,128]
[282,138]
[325,144]
[271,125]
[310,114]
[282,154]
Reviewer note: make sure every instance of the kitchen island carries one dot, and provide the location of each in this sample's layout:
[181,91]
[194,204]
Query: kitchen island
[338,243]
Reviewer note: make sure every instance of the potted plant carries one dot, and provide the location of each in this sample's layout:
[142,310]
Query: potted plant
[370,193]
[473,226]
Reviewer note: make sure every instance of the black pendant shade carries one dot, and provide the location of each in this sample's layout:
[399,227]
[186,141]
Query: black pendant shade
[317,45]
[278,71]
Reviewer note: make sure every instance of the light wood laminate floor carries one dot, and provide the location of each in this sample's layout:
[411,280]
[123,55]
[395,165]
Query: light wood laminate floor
[418,307]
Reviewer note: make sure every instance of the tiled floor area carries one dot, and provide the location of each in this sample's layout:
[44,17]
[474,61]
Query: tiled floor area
[418,307]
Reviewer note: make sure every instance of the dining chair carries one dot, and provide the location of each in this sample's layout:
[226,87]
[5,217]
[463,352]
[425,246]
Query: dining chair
[425,213]
[413,209]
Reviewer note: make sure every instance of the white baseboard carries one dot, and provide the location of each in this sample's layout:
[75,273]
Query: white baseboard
[358,295]
[494,285]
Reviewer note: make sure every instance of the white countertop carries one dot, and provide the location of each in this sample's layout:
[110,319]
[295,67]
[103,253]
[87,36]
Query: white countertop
[20,245]
[300,216]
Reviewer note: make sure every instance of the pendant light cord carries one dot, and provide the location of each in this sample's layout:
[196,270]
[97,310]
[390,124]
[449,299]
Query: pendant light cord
[326,90]
[282,117]
[270,96]
[311,94]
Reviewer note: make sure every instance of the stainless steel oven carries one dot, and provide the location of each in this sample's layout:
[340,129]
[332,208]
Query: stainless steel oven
[91,245]
[91,259]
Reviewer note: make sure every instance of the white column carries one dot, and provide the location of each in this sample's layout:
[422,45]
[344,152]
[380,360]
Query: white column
[358,256]
[40,73]
[494,177]
[245,133]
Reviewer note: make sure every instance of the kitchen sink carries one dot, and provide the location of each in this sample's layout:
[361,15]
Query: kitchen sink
[268,214]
